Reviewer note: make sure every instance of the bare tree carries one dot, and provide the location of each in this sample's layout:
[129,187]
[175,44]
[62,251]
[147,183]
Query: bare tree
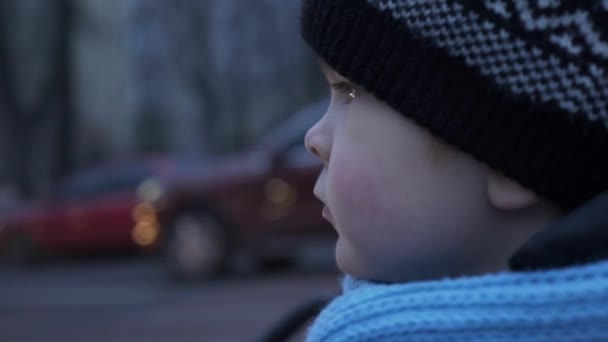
[193,75]
[240,65]
[34,68]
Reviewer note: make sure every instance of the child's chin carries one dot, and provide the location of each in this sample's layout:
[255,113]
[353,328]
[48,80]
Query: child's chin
[346,259]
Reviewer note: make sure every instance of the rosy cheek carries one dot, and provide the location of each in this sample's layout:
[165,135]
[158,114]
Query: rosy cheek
[353,192]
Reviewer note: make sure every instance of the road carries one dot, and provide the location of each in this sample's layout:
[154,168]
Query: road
[131,299]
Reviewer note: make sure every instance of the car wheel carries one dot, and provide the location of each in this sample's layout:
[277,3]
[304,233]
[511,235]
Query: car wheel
[196,246]
[19,249]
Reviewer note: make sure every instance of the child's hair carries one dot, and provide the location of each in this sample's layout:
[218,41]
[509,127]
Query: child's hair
[518,87]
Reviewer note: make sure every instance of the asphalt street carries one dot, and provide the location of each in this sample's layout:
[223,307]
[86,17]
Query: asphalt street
[132,299]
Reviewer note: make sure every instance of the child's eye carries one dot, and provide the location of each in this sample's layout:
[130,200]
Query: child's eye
[345,88]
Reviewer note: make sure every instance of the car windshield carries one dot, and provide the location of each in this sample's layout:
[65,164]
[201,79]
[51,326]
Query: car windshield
[93,183]
[292,130]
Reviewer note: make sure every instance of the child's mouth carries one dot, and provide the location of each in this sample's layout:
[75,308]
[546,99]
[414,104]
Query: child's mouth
[327,215]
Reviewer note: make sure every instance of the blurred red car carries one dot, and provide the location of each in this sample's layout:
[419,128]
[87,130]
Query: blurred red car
[90,211]
[259,201]
[198,214]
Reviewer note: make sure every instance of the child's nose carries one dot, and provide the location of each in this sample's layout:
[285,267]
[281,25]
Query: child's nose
[317,142]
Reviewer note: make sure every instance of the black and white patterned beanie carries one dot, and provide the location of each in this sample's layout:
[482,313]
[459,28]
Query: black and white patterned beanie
[520,84]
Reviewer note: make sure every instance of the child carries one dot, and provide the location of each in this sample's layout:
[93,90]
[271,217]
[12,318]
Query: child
[460,134]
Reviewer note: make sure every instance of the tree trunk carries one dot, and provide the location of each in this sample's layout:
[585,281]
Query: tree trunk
[33,86]
[66,117]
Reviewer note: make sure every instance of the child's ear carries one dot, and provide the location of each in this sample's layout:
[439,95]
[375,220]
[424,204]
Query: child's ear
[506,194]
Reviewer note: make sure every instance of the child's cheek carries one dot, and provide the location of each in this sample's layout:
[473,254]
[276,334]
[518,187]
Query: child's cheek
[354,189]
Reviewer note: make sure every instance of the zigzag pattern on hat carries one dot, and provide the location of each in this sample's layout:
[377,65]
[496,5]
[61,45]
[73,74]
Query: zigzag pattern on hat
[576,23]
[511,61]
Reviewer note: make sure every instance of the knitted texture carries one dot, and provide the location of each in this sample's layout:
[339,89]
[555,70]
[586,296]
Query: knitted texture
[521,85]
[562,305]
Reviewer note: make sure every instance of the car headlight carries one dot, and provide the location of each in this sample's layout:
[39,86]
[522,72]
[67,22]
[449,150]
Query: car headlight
[151,190]
[147,228]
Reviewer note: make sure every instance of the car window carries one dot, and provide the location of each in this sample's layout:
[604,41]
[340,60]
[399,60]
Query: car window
[298,156]
[128,181]
[292,131]
[82,187]
[94,184]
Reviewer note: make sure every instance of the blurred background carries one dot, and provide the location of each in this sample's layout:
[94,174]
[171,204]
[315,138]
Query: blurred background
[153,179]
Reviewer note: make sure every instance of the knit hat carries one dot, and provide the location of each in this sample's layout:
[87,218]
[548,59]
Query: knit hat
[521,85]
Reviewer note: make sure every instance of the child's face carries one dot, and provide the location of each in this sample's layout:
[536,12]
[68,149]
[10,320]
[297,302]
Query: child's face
[405,206]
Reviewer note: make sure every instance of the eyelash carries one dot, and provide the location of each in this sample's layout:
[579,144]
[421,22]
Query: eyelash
[345,88]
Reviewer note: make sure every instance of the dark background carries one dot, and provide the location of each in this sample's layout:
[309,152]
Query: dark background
[84,82]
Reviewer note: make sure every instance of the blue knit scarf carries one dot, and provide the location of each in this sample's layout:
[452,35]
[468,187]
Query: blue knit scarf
[569,304]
